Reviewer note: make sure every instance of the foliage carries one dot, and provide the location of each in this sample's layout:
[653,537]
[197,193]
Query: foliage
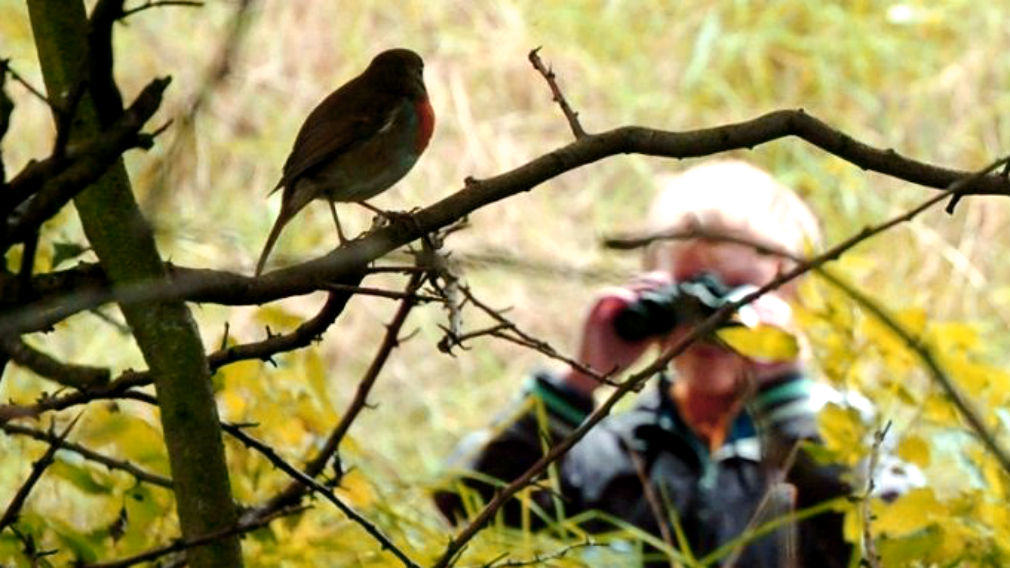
[928,79]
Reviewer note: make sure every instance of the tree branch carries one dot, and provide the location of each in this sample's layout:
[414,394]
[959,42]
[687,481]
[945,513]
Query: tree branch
[104,91]
[185,544]
[312,484]
[80,377]
[265,349]
[112,463]
[52,183]
[14,507]
[702,329]
[295,491]
[570,115]
[230,288]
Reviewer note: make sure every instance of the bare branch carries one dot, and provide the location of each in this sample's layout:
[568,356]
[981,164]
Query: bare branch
[295,491]
[112,463]
[159,4]
[300,337]
[526,340]
[105,95]
[52,183]
[6,108]
[540,559]
[14,507]
[5,68]
[230,288]
[703,329]
[380,293]
[870,555]
[181,544]
[950,388]
[570,115]
[75,376]
[315,486]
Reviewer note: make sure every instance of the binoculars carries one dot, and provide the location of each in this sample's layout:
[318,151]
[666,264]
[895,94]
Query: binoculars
[657,312]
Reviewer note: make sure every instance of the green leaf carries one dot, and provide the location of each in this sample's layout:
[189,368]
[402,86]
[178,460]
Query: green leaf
[81,477]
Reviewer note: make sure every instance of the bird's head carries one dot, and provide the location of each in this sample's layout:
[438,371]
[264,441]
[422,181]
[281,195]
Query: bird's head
[400,71]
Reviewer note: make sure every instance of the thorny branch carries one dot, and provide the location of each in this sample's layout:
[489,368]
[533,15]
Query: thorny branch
[224,287]
[296,490]
[302,336]
[316,487]
[181,545]
[570,115]
[507,330]
[112,463]
[69,375]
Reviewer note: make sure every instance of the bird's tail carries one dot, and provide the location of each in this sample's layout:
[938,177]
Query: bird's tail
[275,232]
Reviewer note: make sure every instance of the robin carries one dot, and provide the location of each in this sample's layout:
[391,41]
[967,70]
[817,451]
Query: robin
[359,141]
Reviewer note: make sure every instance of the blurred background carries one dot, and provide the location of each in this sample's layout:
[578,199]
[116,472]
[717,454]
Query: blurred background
[929,79]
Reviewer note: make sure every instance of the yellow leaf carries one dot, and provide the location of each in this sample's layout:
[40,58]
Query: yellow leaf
[316,374]
[234,405]
[914,449]
[277,318]
[843,431]
[913,320]
[357,488]
[954,336]
[764,342]
[939,409]
[913,511]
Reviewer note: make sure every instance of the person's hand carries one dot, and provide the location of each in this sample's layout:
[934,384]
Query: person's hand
[600,348]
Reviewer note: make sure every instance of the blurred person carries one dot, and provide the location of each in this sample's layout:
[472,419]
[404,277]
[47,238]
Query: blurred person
[715,431]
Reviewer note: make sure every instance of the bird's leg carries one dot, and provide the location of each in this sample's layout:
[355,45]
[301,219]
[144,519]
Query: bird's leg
[374,209]
[388,217]
[336,221]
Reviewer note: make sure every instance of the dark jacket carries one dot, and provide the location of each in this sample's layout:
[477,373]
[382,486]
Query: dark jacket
[714,495]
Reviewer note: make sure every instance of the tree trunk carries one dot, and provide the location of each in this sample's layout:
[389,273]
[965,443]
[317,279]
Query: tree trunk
[164,330]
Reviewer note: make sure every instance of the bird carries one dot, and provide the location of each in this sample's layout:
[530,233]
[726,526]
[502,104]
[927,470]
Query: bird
[359,141]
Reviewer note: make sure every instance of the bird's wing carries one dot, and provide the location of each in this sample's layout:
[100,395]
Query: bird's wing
[336,126]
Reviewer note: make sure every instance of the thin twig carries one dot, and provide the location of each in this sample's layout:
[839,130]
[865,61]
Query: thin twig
[380,293]
[158,4]
[136,471]
[295,491]
[317,487]
[703,329]
[869,544]
[527,340]
[655,507]
[184,544]
[80,377]
[14,507]
[233,289]
[558,96]
[5,67]
[539,559]
[302,336]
